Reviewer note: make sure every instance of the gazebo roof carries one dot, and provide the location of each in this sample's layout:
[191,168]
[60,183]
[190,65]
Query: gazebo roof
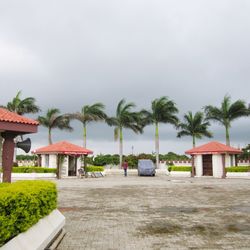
[7,116]
[63,147]
[213,148]
[12,122]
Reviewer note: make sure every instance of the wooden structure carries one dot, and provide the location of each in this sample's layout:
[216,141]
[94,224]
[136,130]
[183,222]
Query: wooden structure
[12,125]
[212,159]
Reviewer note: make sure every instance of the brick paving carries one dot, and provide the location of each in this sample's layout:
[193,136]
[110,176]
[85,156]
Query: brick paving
[117,212]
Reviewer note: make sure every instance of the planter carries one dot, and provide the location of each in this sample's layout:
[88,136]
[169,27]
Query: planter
[180,174]
[32,176]
[238,175]
[40,235]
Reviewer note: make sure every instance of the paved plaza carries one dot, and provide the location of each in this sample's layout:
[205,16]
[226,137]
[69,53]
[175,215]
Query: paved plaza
[117,212]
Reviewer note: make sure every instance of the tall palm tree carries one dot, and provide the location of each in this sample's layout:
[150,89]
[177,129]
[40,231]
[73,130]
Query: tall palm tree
[227,113]
[125,118]
[53,119]
[195,126]
[89,113]
[22,106]
[163,110]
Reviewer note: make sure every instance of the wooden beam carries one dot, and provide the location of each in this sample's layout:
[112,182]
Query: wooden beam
[223,166]
[193,167]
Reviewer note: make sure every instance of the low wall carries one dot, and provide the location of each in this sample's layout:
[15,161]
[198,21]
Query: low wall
[238,175]
[180,174]
[32,176]
[38,236]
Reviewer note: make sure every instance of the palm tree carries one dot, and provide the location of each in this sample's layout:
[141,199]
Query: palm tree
[22,106]
[227,113]
[53,119]
[163,110]
[195,126]
[125,118]
[89,114]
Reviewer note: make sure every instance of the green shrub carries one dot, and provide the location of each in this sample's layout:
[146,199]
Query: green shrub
[180,168]
[33,170]
[238,169]
[23,204]
[94,169]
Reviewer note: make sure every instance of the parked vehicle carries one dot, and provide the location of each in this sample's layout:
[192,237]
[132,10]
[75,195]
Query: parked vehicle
[146,167]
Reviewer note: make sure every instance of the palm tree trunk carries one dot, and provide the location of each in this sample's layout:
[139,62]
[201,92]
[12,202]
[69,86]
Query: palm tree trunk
[84,135]
[84,145]
[157,146]
[227,136]
[193,141]
[49,136]
[120,146]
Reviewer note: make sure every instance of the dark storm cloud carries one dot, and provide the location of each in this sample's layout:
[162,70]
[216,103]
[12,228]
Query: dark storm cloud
[70,53]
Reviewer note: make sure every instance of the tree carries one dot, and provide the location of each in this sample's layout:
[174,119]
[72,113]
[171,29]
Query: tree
[53,119]
[163,110]
[195,126]
[227,113]
[125,118]
[89,114]
[22,106]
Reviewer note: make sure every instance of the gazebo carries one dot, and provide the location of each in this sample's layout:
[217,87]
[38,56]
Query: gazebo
[12,125]
[212,159]
[62,155]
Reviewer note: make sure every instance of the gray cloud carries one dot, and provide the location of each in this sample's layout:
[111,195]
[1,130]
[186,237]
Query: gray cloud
[70,53]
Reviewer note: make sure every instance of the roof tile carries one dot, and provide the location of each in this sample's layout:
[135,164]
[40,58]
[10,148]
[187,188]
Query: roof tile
[63,147]
[7,116]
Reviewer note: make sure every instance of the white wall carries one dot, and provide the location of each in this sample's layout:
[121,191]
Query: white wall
[65,166]
[198,165]
[217,166]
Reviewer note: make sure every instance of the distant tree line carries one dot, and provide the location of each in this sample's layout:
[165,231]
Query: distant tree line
[162,110]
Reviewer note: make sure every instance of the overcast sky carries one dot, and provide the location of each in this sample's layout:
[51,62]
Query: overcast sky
[68,54]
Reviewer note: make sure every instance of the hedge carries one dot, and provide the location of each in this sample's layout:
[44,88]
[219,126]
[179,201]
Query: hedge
[33,170]
[94,169]
[238,169]
[23,204]
[180,168]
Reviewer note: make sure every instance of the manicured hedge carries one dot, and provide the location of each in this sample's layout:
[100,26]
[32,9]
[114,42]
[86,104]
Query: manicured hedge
[94,169]
[180,168]
[23,204]
[33,170]
[238,169]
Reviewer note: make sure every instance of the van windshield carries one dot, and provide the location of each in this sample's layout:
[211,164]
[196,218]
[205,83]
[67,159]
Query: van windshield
[146,164]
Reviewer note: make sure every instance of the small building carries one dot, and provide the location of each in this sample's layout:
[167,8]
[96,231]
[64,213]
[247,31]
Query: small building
[11,126]
[212,159]
[64,156]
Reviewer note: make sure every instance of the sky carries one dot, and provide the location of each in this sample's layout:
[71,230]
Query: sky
[67,54]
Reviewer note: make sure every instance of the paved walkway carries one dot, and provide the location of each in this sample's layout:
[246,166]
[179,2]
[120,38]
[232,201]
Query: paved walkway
[115,212]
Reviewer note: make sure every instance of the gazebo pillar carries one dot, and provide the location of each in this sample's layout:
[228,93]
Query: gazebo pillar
[7,156]
[193,170]
[223,166]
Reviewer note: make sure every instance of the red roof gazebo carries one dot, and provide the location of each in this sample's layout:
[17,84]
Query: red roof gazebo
[12,125]
[52,155]
[212,158]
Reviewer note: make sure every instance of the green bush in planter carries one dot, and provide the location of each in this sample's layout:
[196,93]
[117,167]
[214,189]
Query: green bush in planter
[180,168]
[23,204]
[94,169]
[238,169]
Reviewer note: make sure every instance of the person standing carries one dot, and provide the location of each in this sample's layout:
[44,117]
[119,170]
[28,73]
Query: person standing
[125,167]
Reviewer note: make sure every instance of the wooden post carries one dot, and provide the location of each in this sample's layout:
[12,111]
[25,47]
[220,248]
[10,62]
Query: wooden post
[223,166]
[193,167]
[7,156]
